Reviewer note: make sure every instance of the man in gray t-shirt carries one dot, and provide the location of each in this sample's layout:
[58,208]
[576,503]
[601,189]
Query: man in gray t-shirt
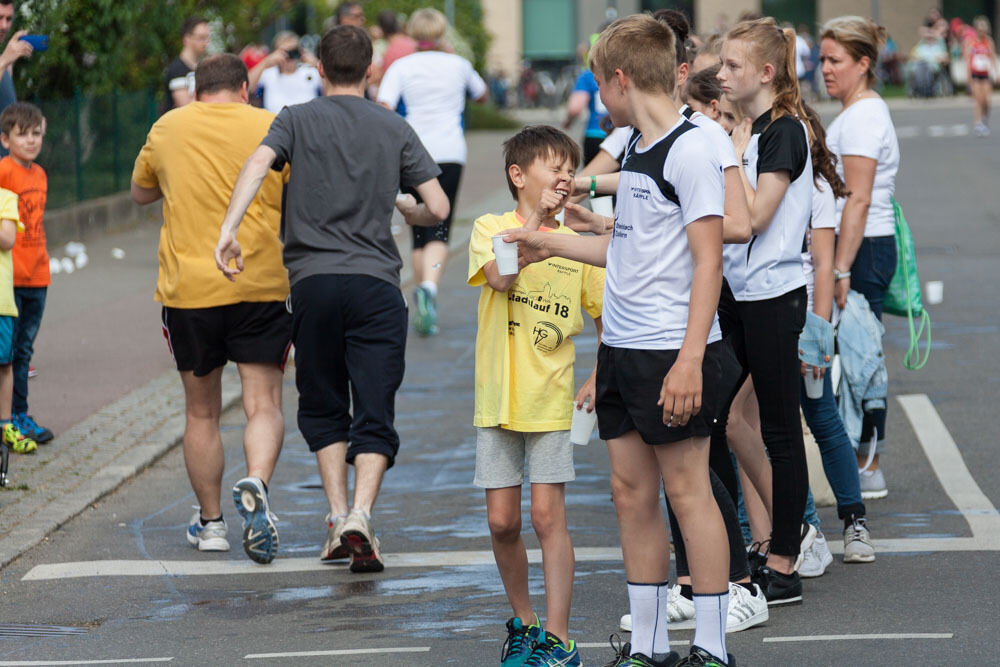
[347,159]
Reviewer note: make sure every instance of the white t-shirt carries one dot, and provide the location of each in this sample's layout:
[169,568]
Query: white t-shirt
[282,90]
[721,142]
[616,142]
[801,55]
[433,86]
[865,129]
[662,188]
[824,216]
[771,263]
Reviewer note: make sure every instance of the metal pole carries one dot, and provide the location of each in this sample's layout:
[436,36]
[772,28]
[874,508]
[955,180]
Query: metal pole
[115,140]
[449,11]
[78,143]
[876,13]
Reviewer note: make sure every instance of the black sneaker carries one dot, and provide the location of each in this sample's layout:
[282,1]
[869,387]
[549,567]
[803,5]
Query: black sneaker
[624,657]
[779,588]
[757,557]
[699,657]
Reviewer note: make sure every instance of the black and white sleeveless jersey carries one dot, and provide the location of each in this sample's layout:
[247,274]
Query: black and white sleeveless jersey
[662,188]
[771,263]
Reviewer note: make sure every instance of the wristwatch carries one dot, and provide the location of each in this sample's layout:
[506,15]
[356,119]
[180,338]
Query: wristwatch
[840,275]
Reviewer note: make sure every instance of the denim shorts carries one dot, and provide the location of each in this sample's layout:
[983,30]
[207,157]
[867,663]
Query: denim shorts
[7,339]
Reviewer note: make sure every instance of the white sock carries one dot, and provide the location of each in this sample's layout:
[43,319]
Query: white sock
[661,642]
[431,287]
[649,616]
[710,612]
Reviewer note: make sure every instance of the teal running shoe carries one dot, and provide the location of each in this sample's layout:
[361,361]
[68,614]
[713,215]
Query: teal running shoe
[551,652]
[425,320]
[520,642]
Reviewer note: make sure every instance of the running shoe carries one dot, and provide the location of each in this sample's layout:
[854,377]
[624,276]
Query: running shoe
[425,320]
[208,537]
[260,536]
[18,442]
[32,372]
[808,534]
[817,558]
[550,652]
[873,484]
[358,537]
[625,658]
[333,549]
[699,657]
[746,609]
[26,424]
[520,642]
[779,588]
[857,542]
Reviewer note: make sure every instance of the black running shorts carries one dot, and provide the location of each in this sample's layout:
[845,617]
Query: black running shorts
[203,339]
[628,387]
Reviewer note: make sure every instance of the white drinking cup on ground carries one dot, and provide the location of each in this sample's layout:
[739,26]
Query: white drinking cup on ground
[506,254]
[583,424]
[934,292]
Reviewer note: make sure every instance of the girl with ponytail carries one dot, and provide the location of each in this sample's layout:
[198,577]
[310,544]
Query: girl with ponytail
[764,309]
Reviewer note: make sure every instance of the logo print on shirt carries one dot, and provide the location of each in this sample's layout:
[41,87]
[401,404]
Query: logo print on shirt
[546,336]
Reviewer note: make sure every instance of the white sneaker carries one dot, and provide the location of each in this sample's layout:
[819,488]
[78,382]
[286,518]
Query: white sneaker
[332,548]
[746,609]
[680,612]
[873,484]
[808,534]
[858,543]
[816,559]
[210,537]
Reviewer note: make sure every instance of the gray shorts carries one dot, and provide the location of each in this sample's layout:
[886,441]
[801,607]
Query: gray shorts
[501,456]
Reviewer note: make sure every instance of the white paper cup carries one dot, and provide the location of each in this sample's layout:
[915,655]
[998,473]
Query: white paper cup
[934,292]
[506,254]
[582,426]
[603,206]
[814,386]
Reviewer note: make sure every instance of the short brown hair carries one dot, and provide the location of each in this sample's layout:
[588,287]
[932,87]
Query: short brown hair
[22,115]
[537,142]
[223,71]
[345,52]
[703,85]
[190,24]
[642,48]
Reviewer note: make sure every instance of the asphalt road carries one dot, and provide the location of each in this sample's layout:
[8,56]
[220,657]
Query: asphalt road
[122,583]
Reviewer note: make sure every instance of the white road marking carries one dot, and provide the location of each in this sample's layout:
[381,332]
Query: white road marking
[907,132]
[949,466]
[177,568]
[346,651]
[841,638]
[116,661]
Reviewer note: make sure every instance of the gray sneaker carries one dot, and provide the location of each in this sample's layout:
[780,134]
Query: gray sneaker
[358,537]
[858,543]
[873,484]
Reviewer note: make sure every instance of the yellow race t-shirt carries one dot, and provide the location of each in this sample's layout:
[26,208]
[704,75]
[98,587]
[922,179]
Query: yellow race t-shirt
[524,355]
[8,211]
[194,155]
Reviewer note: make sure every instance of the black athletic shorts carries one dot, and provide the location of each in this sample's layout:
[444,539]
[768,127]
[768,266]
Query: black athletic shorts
[628,387]
[203,339]
[350,340]
[451,175]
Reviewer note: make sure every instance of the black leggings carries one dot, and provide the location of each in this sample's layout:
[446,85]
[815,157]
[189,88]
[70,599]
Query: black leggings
[738,568]
[764,336]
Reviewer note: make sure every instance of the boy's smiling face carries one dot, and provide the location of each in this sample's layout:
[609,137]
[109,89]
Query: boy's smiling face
[24,144]
[552,172]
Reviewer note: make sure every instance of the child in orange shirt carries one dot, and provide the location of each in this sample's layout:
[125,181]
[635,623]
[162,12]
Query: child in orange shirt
[22,127]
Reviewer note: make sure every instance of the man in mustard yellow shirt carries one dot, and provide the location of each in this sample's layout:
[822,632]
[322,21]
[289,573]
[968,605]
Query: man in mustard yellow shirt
[191,159]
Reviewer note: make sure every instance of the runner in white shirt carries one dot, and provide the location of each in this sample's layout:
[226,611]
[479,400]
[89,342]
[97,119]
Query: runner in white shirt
[764,312]
[433,85]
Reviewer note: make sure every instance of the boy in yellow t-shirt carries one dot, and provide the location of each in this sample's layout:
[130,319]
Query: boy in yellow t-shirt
[10,436]
[524,389]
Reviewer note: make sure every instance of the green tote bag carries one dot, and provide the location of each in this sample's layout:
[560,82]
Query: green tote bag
[903,294]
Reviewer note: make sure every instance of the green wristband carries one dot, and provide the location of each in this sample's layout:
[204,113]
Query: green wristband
[593,186]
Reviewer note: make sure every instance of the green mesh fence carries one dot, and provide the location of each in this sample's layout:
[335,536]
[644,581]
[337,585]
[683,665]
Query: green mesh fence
[91,143]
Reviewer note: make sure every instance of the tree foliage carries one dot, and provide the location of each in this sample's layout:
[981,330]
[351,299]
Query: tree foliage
[98,44]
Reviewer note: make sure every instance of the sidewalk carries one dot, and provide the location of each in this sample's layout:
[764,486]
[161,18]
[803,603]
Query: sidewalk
[107,386]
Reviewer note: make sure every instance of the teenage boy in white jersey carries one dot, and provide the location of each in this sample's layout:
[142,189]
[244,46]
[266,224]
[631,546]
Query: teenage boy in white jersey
[658,365]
